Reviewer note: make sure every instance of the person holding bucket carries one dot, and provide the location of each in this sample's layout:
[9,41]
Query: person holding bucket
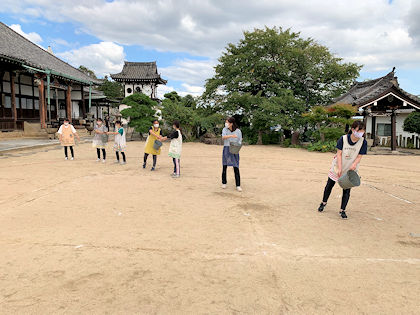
[232,142]
[153,144]
[350,149]
[175,148]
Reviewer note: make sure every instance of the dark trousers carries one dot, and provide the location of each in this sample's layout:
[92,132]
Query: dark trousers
[237,175]
[98,153]
[327,191]
[154,159]
[118,156]
[177,166]
[71,151]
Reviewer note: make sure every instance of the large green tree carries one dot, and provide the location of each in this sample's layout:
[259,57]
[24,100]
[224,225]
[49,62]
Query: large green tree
[141,112]
[412,123]
[111,89]
[276,73]
[90,73]
[194,119]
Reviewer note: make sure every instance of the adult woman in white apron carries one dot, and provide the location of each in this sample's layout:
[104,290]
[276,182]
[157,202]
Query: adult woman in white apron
[350,149]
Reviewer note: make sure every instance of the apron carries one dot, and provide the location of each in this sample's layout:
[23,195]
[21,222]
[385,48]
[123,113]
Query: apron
[149,144]
[175,147]
[348,156]
[67,136]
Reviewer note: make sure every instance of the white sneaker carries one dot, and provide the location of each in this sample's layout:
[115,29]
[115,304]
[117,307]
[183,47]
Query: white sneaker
[116,161]
[66,158]
[103,161]
[238,188]
[224,186]
[72,158]
[123,163]
[98,160]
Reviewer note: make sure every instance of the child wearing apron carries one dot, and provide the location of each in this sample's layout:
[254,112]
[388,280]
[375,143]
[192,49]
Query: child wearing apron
[350,149]
[67,133]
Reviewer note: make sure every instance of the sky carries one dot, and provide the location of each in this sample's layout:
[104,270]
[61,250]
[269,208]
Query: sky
[186,37]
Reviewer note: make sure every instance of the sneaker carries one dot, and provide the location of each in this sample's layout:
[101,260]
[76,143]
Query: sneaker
[117,161]
[343,214]
[224,186]
[321,207]
[72,159]
[144,165]
[152,169]
[103,161]
[66,158]
[238,188]
[123,163]
[98,160]
[175,176]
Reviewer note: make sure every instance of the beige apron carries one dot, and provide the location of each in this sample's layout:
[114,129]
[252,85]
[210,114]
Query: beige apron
[348,156]
[67,136]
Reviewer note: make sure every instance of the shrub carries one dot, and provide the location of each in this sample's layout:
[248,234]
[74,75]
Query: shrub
[287,143]
[412,123]
[326,146]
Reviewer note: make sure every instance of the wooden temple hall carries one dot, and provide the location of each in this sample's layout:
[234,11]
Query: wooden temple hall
[37,87]
[384,106]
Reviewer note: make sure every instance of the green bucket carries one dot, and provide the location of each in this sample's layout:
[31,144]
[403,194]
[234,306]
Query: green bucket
[157,144]
[349,180]
[235,147]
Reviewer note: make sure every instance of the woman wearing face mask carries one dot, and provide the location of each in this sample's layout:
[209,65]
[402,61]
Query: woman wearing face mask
[154,134]
[231,133]
[100,139]
[350,149]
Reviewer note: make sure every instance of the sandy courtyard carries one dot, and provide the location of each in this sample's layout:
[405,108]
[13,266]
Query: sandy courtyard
[92,238]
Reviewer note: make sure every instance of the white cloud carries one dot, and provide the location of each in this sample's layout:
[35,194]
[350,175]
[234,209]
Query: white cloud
[32,36]
[379,34]
[103,58]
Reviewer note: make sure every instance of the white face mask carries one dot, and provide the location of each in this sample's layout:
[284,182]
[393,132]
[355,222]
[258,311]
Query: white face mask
[156,125]
[358,134]
[66,124]
[99,123]
[226,125]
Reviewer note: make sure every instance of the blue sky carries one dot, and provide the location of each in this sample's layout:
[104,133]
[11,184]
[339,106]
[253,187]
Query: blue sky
[186,37]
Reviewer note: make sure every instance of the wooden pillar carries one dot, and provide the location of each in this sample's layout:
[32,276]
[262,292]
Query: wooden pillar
[42,114]
[374,129]
[13,96]
[83,102]
[393,131]
[68,103]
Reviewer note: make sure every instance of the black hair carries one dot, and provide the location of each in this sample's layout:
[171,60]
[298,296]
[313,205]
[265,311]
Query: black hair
[357,124]
[154,120]
[99,119]
[233,122]
[176,123]
[66,119]
[118,122]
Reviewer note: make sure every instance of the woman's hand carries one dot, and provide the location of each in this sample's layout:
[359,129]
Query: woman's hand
[234,136]
[353,167]
[339,171]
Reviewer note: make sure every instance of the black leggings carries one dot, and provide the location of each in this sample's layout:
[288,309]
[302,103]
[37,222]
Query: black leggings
[237,176]
[154,159]
[71,151]
[177,162]
[98,152]
[118,156]
[327,191]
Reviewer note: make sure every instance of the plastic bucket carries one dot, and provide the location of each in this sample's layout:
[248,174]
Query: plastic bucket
[234,148]
[349,180]
[157,144]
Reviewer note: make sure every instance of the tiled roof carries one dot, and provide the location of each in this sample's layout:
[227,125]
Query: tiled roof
[362,93]
[139,71]
[16,47]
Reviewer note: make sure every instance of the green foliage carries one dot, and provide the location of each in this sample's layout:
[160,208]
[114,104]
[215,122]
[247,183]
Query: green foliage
[111,89]
[412,123]
[194,119]
[323,146]
[287,142]
[270,75]
[87,71]
[141,112]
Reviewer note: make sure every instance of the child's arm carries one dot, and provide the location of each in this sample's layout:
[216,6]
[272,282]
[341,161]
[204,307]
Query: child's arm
[356,162]
[339,164]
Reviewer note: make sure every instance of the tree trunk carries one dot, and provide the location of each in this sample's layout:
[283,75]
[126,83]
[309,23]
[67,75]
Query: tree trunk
[295,137]
[260,133]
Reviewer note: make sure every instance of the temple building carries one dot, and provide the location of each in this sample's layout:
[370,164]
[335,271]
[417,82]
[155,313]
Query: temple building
[384,106]
[36,87]
[141,77]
